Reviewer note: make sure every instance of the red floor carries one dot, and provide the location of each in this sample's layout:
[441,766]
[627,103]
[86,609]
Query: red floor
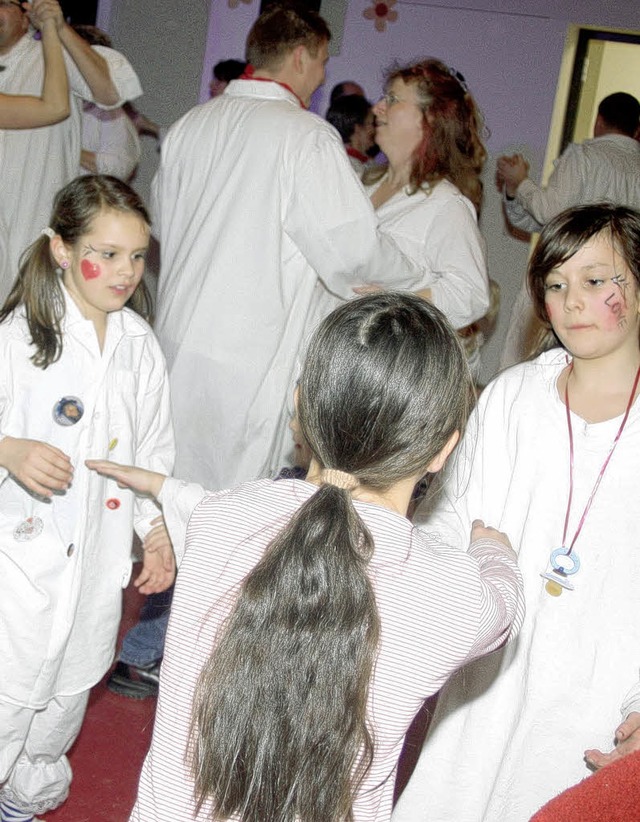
[107,756]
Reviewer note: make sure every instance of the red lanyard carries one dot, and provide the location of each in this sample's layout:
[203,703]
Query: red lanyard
[353,152]
[604,465]
[249,75]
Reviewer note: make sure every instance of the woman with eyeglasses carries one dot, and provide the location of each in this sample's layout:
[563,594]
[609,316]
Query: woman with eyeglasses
[428,195]
[28,111]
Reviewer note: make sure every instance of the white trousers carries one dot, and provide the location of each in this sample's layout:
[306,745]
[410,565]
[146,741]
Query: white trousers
[34,772]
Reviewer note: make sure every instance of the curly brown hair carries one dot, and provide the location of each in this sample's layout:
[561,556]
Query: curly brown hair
[452,129]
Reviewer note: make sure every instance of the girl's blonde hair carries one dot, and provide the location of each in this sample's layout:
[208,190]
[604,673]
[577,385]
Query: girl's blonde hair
[38,286]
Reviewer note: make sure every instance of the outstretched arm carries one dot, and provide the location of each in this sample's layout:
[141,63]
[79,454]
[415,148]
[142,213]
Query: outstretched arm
[178,499]
[139,480]
[25,111]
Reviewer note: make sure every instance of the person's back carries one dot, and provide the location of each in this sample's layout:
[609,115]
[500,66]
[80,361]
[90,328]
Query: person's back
[605,168]
[240,233]
[416,612]
[258,213]
[612,166]
[308,620]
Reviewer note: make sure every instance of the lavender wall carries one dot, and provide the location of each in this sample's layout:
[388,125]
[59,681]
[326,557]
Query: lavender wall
[509,55]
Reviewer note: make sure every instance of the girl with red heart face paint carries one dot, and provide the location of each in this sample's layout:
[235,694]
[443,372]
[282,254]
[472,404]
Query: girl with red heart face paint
[80,376]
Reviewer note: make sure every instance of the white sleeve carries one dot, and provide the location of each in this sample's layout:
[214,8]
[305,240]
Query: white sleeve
[475,482]
[475,486]
[631,701]
[119,150]
[155,448]
[4,400]
[563,190]
[331,220]
[123,76]
[518,216]
[456,259]
[178,499]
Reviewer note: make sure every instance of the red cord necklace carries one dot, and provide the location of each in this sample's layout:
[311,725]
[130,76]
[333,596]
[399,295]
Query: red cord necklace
[564,562]
[249,74]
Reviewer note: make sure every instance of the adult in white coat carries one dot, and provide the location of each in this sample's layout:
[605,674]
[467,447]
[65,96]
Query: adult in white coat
[429,194]
[35,163]
[261,220]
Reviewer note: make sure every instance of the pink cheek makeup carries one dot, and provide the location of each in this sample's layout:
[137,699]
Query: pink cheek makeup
[90,270]
[549,309]
[614,309]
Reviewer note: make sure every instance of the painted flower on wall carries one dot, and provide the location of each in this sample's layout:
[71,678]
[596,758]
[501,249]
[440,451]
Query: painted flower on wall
[381,13]
[235,3]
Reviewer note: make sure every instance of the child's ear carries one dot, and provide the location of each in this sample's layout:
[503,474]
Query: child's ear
[438,461]
[59,251]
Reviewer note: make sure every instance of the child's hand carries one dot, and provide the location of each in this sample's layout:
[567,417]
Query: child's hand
[41,468]
[159,563]
[480,531]
[128,476]
[627,738]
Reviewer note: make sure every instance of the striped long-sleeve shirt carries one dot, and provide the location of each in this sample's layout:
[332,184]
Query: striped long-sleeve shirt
[439,608]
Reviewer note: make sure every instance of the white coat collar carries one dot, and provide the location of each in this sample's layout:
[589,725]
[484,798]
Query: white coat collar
[119,324]
[622,139]
[264,89]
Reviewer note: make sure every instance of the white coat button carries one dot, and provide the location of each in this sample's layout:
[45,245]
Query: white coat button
[71,549]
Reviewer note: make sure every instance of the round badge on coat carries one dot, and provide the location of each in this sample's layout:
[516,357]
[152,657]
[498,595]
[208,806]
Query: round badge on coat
[68,411]
[29,529]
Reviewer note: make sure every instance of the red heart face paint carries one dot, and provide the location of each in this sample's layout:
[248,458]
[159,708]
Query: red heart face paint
[90,270]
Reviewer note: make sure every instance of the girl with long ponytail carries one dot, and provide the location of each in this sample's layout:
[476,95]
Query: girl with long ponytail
[310,620]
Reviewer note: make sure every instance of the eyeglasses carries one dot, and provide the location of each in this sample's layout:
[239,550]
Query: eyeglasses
[391,99]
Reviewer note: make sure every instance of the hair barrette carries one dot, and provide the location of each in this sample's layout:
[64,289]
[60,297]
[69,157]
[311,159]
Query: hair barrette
[459,77]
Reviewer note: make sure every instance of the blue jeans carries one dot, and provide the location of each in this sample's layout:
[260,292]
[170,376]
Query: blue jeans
[143,644]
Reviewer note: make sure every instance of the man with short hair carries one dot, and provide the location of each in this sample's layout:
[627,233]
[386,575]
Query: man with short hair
[605,168]
[36,163]
[263,228]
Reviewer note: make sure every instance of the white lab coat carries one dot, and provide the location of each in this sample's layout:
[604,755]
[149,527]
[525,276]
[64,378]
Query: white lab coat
[60,593]
[113,138]
[36,162]
[260,216]
[510,730]
[439,229]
